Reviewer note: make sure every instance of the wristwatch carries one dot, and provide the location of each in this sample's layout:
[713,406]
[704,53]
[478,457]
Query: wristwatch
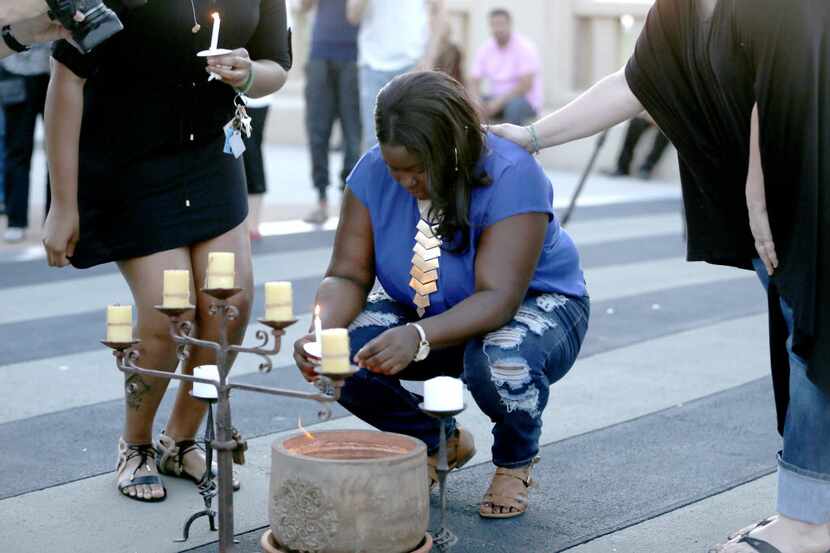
[12,42]
[423,347]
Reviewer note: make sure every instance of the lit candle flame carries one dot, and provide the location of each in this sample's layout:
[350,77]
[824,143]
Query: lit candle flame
[308,434]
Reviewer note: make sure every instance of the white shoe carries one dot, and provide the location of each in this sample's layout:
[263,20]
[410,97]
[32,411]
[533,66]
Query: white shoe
[14,234]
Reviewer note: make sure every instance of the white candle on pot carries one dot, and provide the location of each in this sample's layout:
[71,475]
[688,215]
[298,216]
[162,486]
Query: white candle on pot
[443,393]
[202,390]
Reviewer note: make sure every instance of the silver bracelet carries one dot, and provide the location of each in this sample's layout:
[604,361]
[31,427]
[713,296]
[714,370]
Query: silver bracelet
[534,140]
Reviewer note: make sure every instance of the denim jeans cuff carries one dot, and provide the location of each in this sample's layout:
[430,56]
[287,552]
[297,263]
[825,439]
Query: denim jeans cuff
[803,494]
[514,464]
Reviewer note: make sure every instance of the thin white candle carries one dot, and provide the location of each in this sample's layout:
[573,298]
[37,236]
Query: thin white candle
[318,325]
[214,38]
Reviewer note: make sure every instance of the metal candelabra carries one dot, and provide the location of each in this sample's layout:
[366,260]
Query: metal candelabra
[226,441]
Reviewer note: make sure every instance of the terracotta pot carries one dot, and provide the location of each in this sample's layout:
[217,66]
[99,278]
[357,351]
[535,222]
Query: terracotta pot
[349,491]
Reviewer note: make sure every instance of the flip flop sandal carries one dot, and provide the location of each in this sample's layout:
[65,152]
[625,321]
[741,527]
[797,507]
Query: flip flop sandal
[171,462]
[759,545]
[499,493]
[146,452]
[742,533]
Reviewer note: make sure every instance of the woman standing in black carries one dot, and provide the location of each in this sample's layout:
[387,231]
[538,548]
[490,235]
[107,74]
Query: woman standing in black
[741,89]
[135,140]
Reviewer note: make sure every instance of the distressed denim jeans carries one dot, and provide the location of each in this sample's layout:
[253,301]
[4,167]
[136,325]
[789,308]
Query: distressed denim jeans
[804,462]
[508,372]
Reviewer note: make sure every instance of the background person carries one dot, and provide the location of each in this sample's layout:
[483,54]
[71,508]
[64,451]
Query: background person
[394,37]
[637,127]
[331,94]
[505,78]
[32,69]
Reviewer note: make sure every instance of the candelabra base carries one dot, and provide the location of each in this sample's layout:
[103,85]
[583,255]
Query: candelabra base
[270,545]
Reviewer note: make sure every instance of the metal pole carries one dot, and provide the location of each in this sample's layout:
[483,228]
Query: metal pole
[224,434]
[584,178]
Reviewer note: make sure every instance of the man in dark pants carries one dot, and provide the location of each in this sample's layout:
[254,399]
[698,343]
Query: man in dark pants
[33,68]
[636,128]
[331,94]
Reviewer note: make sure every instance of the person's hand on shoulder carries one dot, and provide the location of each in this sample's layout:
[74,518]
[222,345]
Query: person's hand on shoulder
[37,30]
[514,133]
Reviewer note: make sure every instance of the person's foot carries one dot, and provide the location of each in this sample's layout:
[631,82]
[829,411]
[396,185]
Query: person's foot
[184,459]
[507,496]
[615,173]
[317,217]
[14,234]
[461,448]
[136,473]
[785,534]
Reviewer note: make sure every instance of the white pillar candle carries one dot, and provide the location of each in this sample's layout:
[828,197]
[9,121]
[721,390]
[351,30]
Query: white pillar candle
[176,289]
[443,393]
[214,38]
[220,271]
[318,325]
[120,323]
[279,302]
[205,391]
[335,350]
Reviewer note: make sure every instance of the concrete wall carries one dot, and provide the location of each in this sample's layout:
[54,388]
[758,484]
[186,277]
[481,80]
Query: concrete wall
[579,41]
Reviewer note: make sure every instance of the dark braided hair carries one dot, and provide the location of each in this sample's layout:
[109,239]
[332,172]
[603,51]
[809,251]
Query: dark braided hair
[430,114]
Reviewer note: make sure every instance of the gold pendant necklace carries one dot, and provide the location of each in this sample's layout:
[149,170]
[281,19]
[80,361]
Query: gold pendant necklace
[196,27]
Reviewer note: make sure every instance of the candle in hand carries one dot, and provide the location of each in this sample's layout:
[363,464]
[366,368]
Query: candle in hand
[220,271]
[205,391]
[335,348]
[279,305]
[120,323]
[443,393]
[318,325]
[214,38]
[176,290]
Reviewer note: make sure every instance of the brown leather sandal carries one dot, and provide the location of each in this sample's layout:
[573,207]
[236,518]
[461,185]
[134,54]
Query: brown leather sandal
[461,448]
[171,459]
[508,489]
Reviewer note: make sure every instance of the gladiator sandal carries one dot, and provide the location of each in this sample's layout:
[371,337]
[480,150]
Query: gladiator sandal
[171,460]
[146,454]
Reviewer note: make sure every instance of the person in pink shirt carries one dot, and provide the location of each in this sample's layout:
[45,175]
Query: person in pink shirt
[505,78]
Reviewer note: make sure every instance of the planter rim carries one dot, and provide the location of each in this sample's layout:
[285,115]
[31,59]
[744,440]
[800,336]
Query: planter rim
[418,449]
[268,544]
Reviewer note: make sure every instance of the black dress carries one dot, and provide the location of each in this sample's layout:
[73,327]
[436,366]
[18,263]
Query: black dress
[699,80]
[152,172]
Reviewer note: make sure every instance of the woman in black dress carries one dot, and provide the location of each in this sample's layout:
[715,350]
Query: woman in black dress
[135,140]
[741,88]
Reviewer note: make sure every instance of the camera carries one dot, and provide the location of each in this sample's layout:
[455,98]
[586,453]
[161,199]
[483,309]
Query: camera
[100,22]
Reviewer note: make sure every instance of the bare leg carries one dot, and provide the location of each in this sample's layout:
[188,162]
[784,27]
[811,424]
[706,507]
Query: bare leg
[144,275]
[188,412]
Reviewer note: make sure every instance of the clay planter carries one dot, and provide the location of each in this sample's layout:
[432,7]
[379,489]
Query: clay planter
[348,491]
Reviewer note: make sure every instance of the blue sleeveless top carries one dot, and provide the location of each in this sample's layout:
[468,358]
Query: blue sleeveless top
[519,185]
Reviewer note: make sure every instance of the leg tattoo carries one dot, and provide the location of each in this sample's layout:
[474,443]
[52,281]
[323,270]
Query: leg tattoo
[136,388]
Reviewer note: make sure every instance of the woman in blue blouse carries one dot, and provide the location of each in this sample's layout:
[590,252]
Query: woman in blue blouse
[479,280]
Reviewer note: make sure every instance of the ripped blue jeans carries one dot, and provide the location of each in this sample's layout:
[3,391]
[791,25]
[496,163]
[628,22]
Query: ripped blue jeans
[508,372]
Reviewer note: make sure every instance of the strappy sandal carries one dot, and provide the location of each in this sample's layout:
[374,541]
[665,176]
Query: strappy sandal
[508,489]
[146,454]
[461,448]
[171,461]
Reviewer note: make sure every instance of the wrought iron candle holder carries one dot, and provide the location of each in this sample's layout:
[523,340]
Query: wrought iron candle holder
[444,538]
[226,441]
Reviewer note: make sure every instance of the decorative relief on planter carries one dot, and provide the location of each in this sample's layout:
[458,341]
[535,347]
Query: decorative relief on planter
[305,518]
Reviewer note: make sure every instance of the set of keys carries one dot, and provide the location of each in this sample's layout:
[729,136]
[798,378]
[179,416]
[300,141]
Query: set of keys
[236,127]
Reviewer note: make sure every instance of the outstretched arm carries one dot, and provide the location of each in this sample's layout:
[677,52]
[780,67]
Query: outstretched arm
[607,103]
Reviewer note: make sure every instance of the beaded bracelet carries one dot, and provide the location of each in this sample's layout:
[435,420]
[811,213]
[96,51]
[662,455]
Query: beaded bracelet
[534,140]
[249,83]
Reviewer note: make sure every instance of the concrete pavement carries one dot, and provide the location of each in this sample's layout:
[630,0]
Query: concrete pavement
[659,440]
